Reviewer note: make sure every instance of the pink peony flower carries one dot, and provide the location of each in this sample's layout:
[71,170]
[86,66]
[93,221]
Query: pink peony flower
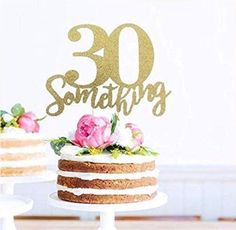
[94,132]
[137,135]
[28,122]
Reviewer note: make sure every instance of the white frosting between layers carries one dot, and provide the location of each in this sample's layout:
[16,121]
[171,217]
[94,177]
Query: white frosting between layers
[109,176]
[145,190]
[69,153]
[24,163]
[24,150]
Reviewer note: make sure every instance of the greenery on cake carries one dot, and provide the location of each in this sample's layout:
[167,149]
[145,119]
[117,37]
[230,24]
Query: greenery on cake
[18,118]
[95,135]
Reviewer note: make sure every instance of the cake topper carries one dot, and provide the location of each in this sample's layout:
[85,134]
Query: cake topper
[100,94]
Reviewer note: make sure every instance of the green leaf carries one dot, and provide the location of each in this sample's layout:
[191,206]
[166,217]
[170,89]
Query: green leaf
[95,151]
[2,123]
[115,150]
[82,151]
[154,153]
[12,123]
[115,146]
[58,144]
[151,151]
[17,110]
[2,112]
[8,124]
[116,153]
[114,121]
[142,151]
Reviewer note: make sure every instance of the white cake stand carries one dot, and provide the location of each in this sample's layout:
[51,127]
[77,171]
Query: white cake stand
[11,205]
[107,211]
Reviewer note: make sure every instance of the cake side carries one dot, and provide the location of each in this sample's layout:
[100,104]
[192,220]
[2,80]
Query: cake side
[105,183]
[20,157]
[22,147]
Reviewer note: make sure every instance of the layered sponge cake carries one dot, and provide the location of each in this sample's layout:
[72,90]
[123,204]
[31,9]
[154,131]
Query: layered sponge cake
[105,164]
[102,179]
[22,154]
[22,147]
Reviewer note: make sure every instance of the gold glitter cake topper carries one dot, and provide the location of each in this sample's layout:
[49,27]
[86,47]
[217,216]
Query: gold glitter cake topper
[119,95]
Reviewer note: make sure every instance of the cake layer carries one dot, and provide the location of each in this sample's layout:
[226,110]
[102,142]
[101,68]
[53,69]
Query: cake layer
[12,143]
[104,199]
[23,163]
[105,184]
[23,150]
[76,166]
[21,153]
[22,171]
[108,176]
[20,156]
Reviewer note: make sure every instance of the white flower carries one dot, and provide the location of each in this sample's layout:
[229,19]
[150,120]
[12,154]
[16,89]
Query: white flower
[125,137]
[7,117]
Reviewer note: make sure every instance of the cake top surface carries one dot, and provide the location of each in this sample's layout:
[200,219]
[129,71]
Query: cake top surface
[17,123]
[70,153]
[103,139]
[18,133]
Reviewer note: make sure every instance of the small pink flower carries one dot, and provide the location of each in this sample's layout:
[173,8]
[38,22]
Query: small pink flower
[28,122]
[137,135]
[94,132]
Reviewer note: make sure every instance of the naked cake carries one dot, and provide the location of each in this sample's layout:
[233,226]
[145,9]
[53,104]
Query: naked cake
[103,164]
[22,148]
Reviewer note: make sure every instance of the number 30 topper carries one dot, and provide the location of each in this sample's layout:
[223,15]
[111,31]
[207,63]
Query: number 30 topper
[127,95]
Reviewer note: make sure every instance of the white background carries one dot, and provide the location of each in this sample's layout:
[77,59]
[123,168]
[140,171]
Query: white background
[195,55]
